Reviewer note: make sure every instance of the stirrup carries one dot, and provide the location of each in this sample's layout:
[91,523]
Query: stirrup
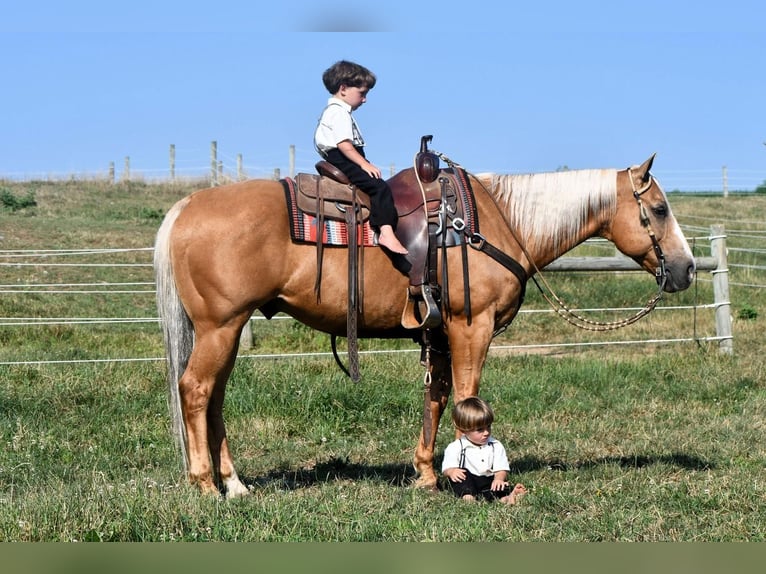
[420,309]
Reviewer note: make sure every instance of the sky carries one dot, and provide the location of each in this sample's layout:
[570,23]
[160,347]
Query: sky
[503,86]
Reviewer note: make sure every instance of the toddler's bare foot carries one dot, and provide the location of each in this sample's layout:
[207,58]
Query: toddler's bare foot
[388,240]
[468,497]
[516,494]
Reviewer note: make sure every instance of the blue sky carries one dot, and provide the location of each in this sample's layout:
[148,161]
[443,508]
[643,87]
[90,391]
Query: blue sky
[503,86]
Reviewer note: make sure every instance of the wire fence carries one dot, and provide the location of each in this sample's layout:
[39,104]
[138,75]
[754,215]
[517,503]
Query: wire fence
[217,165]
[100,286]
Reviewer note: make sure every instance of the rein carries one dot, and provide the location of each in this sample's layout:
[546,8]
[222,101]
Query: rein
[660,275]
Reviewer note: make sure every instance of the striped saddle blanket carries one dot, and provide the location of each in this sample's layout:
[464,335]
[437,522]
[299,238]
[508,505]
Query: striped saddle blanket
[303,225]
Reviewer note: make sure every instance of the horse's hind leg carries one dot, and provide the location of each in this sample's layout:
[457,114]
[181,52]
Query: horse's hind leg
[223,463]
[202,388]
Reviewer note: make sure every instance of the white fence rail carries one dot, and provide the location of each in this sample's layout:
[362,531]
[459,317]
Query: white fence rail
[716,264]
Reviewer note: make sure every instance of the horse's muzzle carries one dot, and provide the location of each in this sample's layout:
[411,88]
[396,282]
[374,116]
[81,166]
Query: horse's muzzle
[679,277]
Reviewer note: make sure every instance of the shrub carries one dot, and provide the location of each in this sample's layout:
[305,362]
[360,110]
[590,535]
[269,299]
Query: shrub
[14,203]
[747,312]
[151,214]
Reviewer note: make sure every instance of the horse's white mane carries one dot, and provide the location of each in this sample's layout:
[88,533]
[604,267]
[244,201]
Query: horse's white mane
[553,207]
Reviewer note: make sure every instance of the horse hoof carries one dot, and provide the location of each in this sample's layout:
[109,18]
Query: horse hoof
[426,483]
[236,490]
[209,490]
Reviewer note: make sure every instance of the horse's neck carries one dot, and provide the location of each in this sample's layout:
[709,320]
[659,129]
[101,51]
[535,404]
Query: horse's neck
[550,213]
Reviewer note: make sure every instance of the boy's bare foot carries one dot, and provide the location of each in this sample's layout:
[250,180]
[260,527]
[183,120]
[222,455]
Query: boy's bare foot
[388,240]
[516,494]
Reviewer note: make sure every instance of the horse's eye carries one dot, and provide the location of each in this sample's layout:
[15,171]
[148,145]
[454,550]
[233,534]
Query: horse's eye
[660,210]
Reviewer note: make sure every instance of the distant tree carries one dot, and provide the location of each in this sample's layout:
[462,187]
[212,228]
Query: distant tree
[761,188]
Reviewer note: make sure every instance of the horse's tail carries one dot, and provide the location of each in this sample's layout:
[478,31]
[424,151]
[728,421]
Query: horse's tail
[176,326]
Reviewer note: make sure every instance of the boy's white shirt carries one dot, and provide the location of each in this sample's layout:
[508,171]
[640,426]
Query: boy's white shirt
[336,124]
[483,460]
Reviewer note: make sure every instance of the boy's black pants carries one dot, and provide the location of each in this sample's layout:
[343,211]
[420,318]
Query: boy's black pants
[382,208]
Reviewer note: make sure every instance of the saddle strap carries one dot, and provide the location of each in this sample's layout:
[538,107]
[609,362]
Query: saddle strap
[352,313]
[467,200]
[466,282]
[479,243]
[320,242]
[432,247]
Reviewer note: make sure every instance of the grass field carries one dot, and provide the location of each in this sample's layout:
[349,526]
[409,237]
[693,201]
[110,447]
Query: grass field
[616,443]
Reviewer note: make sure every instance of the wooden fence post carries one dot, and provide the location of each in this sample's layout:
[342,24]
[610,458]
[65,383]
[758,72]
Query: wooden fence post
[172,162]
[213,163]
[721,290]
[126,169]
[246,336]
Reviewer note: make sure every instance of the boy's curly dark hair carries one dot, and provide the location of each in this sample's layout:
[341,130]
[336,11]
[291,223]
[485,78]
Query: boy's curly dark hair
[345,73]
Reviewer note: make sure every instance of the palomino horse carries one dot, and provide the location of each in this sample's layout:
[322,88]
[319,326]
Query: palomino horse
[222,253]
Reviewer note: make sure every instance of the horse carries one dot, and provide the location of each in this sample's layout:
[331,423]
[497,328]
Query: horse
[222,253]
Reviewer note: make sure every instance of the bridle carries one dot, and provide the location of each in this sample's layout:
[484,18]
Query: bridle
[660,275]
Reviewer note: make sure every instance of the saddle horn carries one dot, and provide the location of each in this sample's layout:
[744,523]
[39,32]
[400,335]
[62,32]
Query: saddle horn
[426,162]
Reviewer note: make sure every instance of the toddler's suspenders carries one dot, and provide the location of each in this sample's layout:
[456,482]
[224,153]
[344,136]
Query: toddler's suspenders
[462,454]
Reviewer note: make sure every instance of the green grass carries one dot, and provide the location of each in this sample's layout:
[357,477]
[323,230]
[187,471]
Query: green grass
[611,450]
[622,443]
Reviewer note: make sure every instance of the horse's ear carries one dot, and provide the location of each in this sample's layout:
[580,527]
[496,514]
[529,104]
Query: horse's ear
[643,170]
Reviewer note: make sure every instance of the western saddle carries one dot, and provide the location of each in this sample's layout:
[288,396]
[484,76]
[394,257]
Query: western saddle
[436,210]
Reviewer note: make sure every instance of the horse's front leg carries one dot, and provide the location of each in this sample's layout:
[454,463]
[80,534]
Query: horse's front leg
[469,346]
[458,369]
[435,401]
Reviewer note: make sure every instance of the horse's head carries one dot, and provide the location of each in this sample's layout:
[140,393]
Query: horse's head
[644,229]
